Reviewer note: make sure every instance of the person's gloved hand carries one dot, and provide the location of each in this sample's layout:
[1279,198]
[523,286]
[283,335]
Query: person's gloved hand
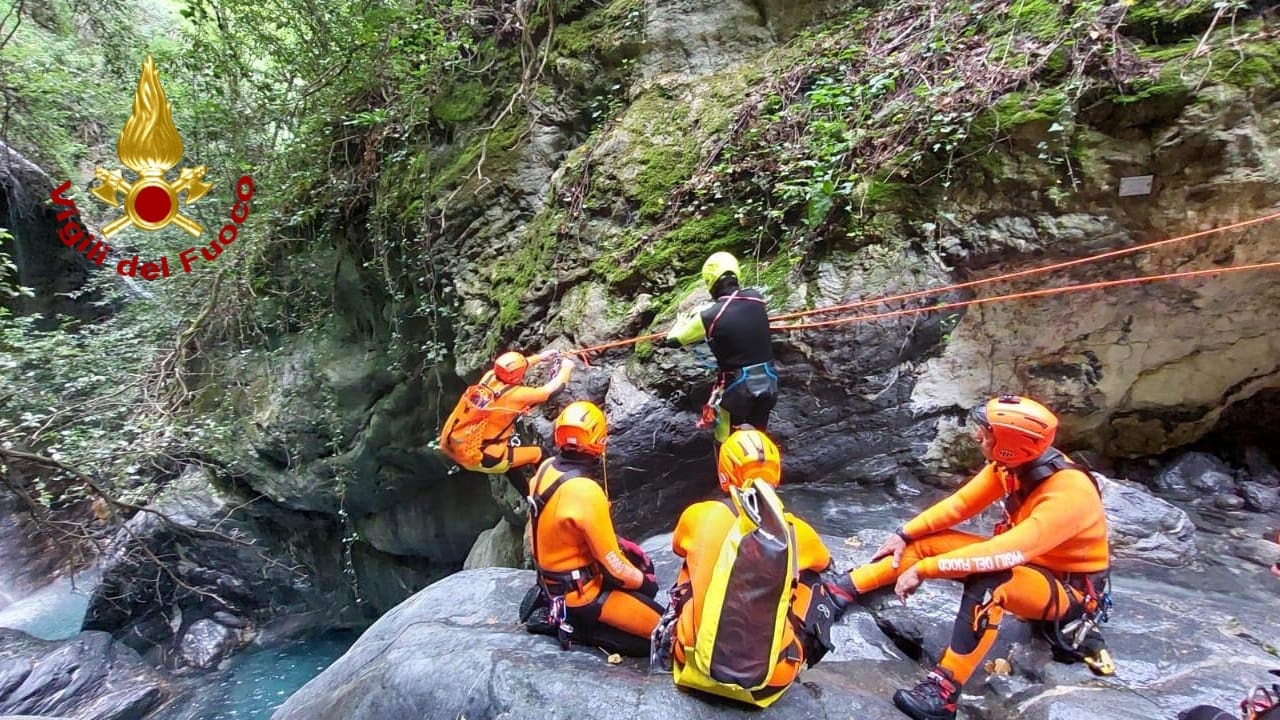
[671,342]
[649,588]
[636,555]
[840,589]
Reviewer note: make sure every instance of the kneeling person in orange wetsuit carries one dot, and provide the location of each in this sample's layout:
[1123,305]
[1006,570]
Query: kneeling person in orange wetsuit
[749,456]
[480,433]
[1048,561]
[589,588]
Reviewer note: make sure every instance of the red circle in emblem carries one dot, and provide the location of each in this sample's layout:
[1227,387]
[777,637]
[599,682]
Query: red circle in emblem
[152,204]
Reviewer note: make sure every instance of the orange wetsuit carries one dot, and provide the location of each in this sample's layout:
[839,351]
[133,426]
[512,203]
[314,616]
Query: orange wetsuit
[573,532]
[479,432]
[1036,569]
[698,537]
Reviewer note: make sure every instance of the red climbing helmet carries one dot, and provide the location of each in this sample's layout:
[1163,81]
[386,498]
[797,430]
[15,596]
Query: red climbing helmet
[510,367]
[1020,429]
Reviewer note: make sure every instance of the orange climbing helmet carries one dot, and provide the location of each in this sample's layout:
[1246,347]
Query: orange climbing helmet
[749,454]
[581,427]
[510,367]
[1021,429]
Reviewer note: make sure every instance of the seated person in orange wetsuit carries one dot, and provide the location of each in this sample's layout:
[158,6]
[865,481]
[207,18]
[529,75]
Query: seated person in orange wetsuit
[701,532]
[592,592]
[1048,562]
[480,433]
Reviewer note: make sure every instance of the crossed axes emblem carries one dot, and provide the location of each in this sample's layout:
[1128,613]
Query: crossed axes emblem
[151,203]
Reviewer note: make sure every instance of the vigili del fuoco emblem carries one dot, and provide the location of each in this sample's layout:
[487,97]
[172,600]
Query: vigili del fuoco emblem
[150,146]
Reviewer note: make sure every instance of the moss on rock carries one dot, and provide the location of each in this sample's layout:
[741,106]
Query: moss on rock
[609,34]
[461,102]
[499,148]
[513,279]
[1042,19]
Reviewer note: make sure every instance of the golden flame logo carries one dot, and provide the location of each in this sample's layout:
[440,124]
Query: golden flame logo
[150,146]
[149,143]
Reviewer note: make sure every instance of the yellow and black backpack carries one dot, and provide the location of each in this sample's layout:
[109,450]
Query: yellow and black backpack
[747,604]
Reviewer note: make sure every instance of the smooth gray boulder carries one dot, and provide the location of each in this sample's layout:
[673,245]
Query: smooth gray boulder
[1193,475]
[1258,497]
[206,643]
[89,677]
[455,650]
[1145,527]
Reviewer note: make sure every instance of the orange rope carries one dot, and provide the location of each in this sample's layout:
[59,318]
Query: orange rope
[1025,273]
[1027,294]
[615,344]
[583,352]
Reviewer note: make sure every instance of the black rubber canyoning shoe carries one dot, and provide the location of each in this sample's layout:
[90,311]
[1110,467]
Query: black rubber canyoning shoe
[539,623]
[534,599]
[933,699]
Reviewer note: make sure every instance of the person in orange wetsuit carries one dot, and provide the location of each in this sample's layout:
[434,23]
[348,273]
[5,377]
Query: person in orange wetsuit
[479,434]
[700,533]
[1048,561]
[596,589]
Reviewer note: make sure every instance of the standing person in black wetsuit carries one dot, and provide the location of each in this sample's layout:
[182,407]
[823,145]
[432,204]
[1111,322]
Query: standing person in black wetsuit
[736,326]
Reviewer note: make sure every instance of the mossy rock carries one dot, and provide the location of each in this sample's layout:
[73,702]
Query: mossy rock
[611,34]
[515,278]
[1023,116]
[461,102]
[1161,21]
[499,147]
[1041,19]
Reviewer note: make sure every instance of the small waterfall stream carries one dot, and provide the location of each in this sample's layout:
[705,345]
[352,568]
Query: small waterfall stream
[52,612]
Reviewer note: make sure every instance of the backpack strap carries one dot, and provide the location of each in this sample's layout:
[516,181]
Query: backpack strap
[711,328]
[515,417]
[1051,461]
[578,577]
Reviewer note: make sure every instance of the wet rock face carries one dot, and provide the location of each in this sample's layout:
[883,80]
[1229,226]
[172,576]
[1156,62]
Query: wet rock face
[89,677]
[53,271]
[657,466]
[1147,528]
[1193,475]
[341,439]
[188,600]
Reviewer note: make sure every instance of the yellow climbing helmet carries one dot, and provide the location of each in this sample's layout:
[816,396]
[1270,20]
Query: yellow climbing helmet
[716,266]
[582,427]
[749,454]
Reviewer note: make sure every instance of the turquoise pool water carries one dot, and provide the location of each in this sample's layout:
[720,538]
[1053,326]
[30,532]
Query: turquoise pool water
[259,680]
